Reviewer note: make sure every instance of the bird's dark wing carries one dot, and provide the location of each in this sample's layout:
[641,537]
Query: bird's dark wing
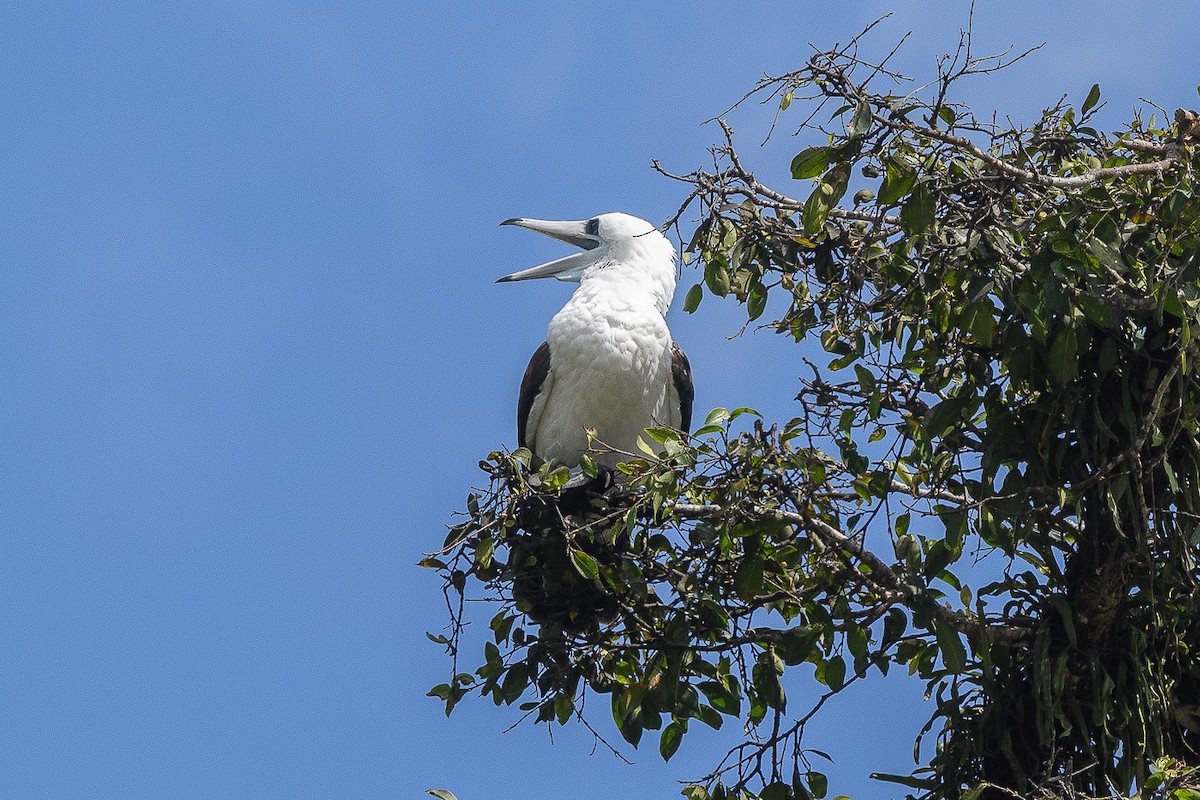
[531,384]
[681,373]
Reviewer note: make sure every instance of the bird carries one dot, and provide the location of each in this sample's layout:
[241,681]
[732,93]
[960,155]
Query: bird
[608,362]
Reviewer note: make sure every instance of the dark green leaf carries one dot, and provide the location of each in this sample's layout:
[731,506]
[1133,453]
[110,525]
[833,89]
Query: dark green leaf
[766,683]
[979,321]
[749,578]
[670,739]
[906,780]
[897,182]
[563,707]
[1093,97]
[940,419]
[796,644]
[832,673]
[1095,310]
[716,275]
[818,784]
[894,625]
[917,214]
[775,791]
[954,655]
[756,300]
[837,181]
[710,717]
[692,301]
[810,162]
[1064,366]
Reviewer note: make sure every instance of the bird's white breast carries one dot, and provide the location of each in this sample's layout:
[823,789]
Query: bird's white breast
[610,369]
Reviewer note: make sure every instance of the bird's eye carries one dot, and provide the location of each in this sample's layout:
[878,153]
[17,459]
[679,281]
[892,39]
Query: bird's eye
[593,227]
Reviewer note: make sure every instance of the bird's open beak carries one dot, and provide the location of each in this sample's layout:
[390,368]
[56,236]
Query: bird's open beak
[568,268]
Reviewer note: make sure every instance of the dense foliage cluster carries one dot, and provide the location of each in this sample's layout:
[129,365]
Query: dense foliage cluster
[1011,319]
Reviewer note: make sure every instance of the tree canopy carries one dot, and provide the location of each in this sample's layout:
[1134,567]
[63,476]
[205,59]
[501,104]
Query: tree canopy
[1010,316]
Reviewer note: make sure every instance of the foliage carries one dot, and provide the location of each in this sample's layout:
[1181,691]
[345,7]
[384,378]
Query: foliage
[1011,317]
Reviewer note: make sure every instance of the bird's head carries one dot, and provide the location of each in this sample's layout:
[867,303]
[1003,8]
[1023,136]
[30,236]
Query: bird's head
[607,239]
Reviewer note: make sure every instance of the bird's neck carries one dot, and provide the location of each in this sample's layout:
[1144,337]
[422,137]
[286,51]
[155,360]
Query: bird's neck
[628,285]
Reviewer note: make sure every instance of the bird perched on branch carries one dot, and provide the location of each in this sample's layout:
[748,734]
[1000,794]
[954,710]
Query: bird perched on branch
[608,362]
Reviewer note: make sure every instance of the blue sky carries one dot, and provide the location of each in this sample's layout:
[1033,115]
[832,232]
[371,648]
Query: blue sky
[253,350]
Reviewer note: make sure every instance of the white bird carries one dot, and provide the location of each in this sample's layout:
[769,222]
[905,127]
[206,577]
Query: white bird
[608,361]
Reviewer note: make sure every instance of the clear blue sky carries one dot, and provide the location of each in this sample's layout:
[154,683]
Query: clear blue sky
[252,351]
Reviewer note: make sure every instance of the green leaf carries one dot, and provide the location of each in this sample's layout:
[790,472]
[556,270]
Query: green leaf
[646,448]
[721,698]
[940,419]
[716,417]
[765,678]
[979,322]
[910,781]
[796,644]
[670,739]
[893,626]
[1064,366]
[897,182]
[756,300]
[663,435]
[866,379]
[716,275]
[946,115]
[441,794]
[563,707]
[694,296]
[861,122]
[710,717]
[585,565]
[917,215]
[749,578]
[1093,97]
[954,655]
[810,162]
[816,208]
[835,673]
[818,784]
[588,465]
[1095,310]
[775,791]
[837,181]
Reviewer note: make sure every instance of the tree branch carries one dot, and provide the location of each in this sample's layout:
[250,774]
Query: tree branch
[893,587]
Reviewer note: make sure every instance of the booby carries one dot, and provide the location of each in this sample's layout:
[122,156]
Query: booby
[608,362]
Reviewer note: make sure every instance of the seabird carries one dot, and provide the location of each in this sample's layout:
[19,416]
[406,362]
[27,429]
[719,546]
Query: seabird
[608,362]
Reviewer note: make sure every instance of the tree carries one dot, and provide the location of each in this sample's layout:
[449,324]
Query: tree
[1011,315]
